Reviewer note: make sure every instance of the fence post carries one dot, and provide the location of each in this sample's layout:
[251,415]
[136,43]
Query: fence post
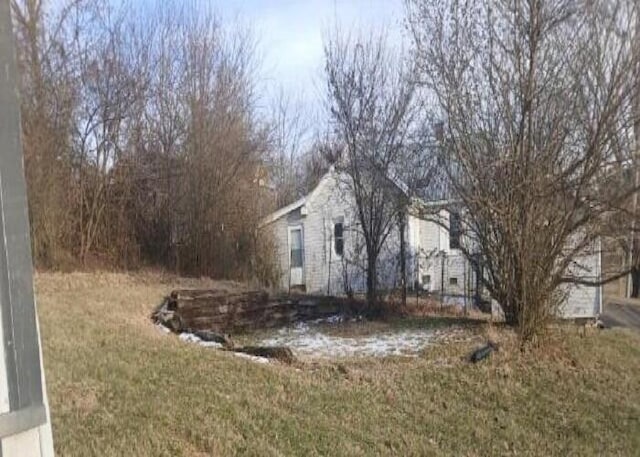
[442,259]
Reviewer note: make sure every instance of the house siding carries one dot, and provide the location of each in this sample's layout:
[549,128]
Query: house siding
[324,270]
[328,204]
[280,238]
[584,300]
[581,301]
[434,258]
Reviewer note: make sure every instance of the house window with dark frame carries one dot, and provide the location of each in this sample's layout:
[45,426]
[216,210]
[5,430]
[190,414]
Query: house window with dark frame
[338,238]
[453,281]
[455,230]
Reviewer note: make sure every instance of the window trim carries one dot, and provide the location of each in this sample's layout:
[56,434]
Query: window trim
[293,228]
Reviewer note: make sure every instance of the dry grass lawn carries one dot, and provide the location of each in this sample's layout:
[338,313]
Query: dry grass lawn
[118,386]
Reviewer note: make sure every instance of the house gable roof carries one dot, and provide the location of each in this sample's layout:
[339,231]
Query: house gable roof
[419,206]
[298,203]
[277,214]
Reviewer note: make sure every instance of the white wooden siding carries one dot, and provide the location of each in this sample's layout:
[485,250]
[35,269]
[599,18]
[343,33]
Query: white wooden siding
[584,300]
[324,270]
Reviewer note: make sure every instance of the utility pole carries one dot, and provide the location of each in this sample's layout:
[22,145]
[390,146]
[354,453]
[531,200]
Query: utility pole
[25,427]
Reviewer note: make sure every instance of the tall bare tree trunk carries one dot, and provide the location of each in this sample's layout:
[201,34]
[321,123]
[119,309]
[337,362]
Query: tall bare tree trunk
[372,282]
[633,283]
[402,224]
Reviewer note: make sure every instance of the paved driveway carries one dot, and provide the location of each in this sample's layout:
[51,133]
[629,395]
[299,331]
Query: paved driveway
[621,313]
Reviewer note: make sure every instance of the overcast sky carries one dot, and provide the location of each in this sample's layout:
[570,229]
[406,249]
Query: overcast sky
[290,34]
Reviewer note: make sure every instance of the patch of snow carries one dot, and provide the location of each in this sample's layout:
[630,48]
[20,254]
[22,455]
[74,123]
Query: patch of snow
[162,328]
[306,342]
[297,328]
[210,344]
[253,358]
[191,338]
[335,319]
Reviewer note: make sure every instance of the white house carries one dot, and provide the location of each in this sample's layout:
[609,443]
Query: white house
[320,250]
[319,247]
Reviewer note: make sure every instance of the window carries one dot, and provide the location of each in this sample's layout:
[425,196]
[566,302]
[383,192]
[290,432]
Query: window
[455,228]
[426,282]
[338,238]
[453,281]
[297,252]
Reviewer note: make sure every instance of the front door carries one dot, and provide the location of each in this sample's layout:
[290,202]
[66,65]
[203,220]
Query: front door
[296,256]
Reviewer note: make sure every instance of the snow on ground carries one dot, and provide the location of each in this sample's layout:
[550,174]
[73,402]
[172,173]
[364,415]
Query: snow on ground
[253,358]
[191,338]
[162,328]
[310,341]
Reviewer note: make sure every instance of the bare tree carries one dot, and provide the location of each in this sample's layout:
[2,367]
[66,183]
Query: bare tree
[223,148]
[48,102]
[288,136]
[143,137]
[536,100]
[371,101]
[323,152]
[631,245]
[109,87]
